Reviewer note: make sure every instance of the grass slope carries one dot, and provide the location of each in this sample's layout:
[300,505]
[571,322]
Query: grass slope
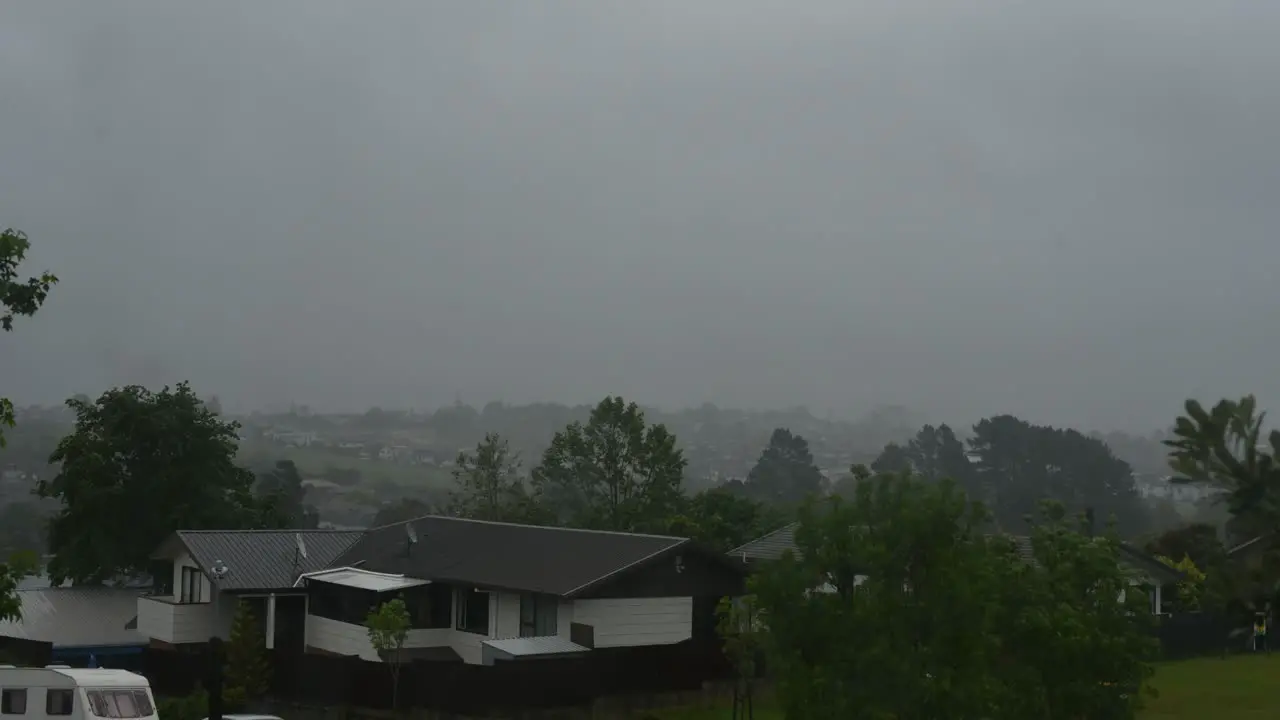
[1243,687]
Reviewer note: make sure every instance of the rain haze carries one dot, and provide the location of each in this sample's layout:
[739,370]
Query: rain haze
[1065,211]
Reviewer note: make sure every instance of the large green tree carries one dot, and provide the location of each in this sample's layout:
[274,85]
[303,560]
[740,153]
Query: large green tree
[785,475]
[934,453]
[281,497]
[615,472]
[18,298]
[489,484]
[899,605]
[1020,464]
[138,466]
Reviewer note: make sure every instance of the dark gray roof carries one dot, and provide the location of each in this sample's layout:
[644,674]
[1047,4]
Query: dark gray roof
[769,547]
[77,617]
[1131,559]
[555,561]
[264,559]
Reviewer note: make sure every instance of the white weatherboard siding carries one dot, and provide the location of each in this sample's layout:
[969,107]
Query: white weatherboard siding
[346,639]
[564,618]
[637,621]
[507,622]
[163,619]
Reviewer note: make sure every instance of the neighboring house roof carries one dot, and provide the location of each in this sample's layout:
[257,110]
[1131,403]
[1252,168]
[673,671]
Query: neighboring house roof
[769,547]
[1131,558]
[550,560]
[261,559]
[773,545]
[1256,544]
[77,617]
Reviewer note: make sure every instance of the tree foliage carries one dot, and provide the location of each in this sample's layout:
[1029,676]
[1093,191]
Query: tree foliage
[248,670]
[490,486]
[18,298]
[934,453]
[785,475]
[388,628]
[742,629]
[615,472]
[406,508]
[1020,464]
[897,604]
[18,566]
[139,466]
[1225,447]
[723,520]
[280,498]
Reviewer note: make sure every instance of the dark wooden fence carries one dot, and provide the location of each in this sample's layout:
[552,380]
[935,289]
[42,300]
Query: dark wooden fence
[454,687]
[1187,635]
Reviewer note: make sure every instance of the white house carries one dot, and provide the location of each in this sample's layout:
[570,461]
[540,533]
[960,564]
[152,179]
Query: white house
[476,591]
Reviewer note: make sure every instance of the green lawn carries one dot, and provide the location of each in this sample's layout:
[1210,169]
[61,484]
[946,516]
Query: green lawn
[1242,687]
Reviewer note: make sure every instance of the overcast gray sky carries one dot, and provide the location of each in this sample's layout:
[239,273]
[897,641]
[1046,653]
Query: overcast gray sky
[1063,210]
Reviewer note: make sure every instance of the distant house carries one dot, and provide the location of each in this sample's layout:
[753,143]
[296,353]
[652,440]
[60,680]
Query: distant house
[1145,571]
[292,438]
[477,591]
[81,623]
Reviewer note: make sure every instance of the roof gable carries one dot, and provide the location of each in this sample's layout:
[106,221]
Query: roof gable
[508,556]
[264,559]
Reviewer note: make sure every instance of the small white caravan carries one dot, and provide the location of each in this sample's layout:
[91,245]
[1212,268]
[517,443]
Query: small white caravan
[59,692]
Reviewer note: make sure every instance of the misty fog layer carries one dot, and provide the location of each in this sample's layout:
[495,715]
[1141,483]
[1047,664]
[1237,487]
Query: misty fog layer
[1064,211]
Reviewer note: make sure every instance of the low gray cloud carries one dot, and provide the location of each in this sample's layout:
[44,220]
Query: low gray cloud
[1060,210]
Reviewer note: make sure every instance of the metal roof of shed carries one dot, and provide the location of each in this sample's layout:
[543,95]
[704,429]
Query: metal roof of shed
[77,617]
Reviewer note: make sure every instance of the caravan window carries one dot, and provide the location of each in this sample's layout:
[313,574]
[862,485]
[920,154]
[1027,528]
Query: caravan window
[58,702]
[13,701]
[120,703]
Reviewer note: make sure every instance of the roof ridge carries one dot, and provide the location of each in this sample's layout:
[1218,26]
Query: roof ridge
[529,525]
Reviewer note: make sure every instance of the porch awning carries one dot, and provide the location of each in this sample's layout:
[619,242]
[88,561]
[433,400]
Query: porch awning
[523,648]
[362,579]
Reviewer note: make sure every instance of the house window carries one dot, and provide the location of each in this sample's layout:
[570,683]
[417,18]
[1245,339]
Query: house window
[13,701]
[538,615]
[341,603]
[192,588]
[58,702]
[473,611]
[430,606]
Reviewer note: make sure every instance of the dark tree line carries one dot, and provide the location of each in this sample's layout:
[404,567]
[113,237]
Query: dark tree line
[1012,465]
